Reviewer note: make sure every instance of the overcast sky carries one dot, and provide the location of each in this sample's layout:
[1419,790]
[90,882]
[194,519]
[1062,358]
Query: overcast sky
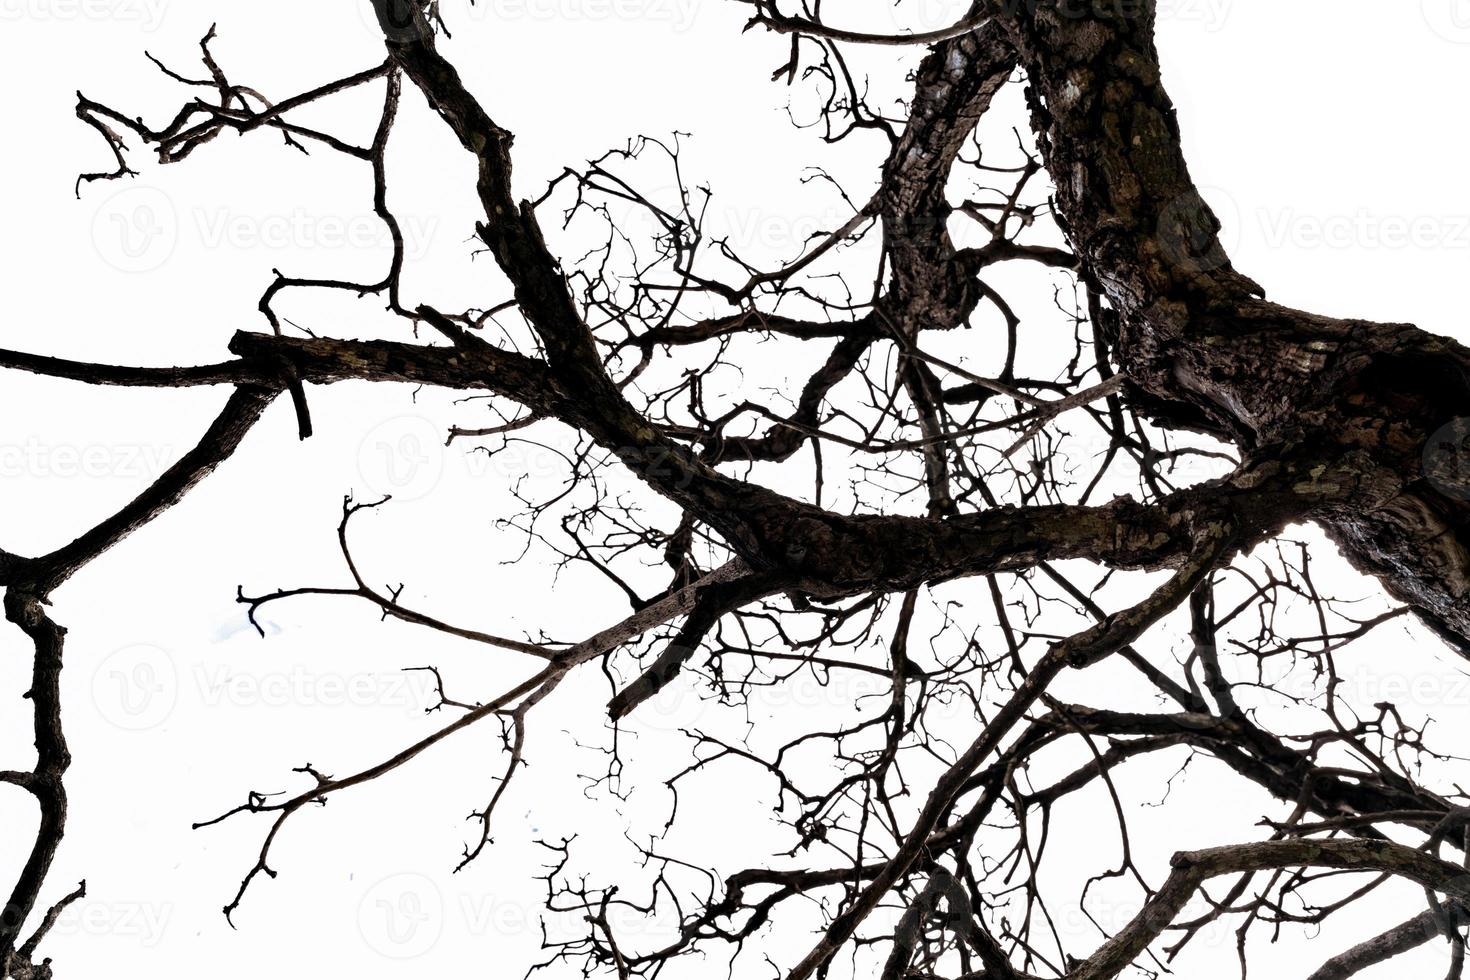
[1327,134]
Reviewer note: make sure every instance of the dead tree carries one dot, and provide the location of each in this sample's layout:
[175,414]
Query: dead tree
[921,852]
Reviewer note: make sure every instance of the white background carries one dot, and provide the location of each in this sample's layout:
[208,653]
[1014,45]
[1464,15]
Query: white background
[1327,134]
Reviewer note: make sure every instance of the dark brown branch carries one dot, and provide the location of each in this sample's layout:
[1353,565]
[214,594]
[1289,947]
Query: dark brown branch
[218,443]
[1193,869]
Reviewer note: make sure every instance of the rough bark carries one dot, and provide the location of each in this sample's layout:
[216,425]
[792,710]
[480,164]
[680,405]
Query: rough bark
[1352,425]
[1203,350]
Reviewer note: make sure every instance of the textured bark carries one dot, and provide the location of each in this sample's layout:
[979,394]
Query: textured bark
[1353,425]
[44,782]
[933,285]
[1204,351]
[1406,936]
[1193,869]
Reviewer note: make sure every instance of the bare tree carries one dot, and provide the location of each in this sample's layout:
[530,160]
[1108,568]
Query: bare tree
[922,841]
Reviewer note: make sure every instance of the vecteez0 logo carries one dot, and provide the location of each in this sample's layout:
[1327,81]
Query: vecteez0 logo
[146,14]
[402,916]
[1447,459]
[136,688]
[402,458]
[136,230]
[1450,19]
[1187,233]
